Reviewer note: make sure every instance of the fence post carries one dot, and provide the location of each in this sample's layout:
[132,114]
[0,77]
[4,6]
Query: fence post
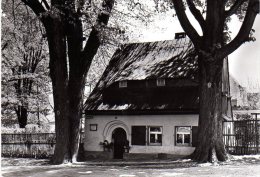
[257,135]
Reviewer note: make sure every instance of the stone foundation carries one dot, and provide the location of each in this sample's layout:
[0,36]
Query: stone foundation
[151,156]
[108,155]
[98,155]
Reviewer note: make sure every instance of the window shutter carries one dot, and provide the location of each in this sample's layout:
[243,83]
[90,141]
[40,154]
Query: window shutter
[138,135]
[194,136]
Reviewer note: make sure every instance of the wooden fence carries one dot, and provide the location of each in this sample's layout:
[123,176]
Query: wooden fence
[37,145]
[242,136]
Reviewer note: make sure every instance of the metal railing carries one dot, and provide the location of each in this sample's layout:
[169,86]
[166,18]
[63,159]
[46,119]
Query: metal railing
[242,136]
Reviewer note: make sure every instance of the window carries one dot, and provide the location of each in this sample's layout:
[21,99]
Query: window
[183,136]
[93,127]
[160,82]
[180,35]
[138,135]
[122,84]
[155,135]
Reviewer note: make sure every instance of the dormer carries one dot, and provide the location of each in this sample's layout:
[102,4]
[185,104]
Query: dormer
[180,35]
[160,82]
[122,84]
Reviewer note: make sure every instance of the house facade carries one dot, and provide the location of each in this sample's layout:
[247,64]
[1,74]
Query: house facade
[146,103]
[238,93]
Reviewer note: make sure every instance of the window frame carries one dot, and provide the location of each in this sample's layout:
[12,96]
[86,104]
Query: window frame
[93,127]
[149,132]
[122,84]
[183,144]
[160,82]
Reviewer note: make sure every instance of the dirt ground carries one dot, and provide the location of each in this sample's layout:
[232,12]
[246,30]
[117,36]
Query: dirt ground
[239,166]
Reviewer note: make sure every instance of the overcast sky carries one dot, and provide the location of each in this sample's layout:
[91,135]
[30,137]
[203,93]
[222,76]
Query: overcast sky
[244,63]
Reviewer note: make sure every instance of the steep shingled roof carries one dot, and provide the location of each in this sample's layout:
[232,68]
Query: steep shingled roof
[173,59]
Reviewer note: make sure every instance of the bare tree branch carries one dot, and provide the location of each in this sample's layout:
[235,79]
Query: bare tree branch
[196,13]
[234,8]
[35,5]
[185,23]
[46,4]
[94,42]
[243,34]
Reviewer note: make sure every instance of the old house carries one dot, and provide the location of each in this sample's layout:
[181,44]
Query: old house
[146,102]
[238,93]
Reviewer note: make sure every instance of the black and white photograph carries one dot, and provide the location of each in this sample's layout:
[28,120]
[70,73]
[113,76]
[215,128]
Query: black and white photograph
[130,88]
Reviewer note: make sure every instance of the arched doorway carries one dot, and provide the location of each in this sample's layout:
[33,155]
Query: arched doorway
[119,139]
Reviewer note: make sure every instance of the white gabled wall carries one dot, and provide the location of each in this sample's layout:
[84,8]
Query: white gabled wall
[106,124]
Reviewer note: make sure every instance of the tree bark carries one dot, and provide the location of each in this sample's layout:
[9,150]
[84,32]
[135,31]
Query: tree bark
[59,76]
[69,64]
[210,147]
[76,90]
[212,49]
[22,115]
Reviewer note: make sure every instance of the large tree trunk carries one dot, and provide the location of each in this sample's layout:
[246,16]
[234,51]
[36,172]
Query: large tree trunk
[68,89]
[22,115]
[76,90]
[59,77]
[210,147]
[69,64]
[212,48]
[76,82]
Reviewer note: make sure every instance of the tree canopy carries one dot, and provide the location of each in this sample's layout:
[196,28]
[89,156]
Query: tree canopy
[25,83]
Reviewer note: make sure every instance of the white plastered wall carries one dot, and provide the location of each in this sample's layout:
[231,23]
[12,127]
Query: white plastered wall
[107,124]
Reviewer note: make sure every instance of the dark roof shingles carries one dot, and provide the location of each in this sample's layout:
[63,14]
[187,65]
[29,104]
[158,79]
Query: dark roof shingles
[138,61]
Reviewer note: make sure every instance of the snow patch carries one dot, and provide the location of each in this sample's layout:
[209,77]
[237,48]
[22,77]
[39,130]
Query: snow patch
[52,171]
[87,172]
[23,162]
[205,170]
[116,107]
[103,107]
[205,164]
[236,157]
[172,174]
[120,107]
[184,160]
[161,106]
